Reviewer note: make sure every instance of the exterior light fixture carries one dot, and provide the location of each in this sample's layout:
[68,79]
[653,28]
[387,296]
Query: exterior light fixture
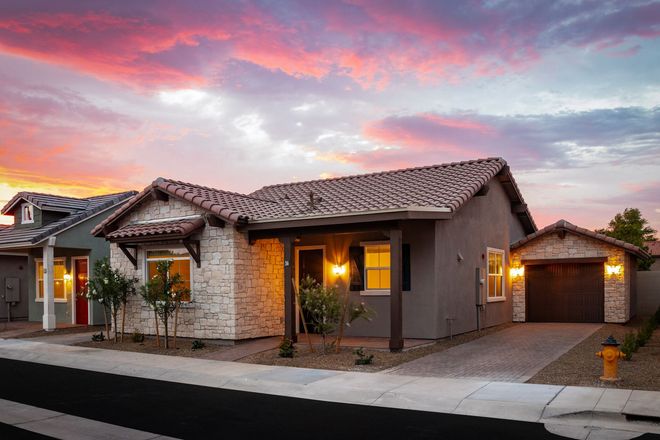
[338,270]
[516,272]
[613,269]
[67,277]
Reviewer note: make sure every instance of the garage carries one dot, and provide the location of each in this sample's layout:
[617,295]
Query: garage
[565,292]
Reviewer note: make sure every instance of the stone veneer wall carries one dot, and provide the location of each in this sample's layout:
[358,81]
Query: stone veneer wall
[237,293]
[617,287]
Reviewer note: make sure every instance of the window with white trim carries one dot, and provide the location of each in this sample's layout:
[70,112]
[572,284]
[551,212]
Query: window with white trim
[180,264]
[59,269]
[377,266]
[27,213]
[495,274]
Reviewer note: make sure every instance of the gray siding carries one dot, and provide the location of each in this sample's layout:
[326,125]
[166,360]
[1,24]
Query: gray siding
[14,267]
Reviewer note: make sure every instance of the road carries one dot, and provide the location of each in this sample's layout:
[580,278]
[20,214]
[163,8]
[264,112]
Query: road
[188,411]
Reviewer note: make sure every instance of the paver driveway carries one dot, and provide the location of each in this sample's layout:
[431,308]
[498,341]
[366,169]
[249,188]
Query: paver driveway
[512,355]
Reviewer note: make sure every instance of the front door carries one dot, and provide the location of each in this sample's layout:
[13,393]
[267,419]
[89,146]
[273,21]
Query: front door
[82,274]
[310,263]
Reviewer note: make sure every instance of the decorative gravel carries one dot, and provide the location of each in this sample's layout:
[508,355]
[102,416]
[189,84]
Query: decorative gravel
[62,331]
[345,359]
[149,346]
[581,367]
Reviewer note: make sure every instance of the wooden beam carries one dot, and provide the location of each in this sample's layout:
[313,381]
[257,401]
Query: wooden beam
[193,249]
[157,194]
[289,299]
[330,229]
[131,257]
[396,298]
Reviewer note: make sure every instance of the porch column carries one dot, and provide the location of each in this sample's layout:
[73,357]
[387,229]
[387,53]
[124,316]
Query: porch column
[49,286]
[396,299]
[289,295]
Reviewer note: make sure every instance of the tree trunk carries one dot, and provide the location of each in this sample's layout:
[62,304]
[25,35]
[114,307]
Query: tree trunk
[114,321]
[123,320]
[176,322]
[105,321]
[342,321]
[157,331]
[167,341]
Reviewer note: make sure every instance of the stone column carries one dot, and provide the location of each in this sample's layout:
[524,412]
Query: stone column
[49,286]
[289,296]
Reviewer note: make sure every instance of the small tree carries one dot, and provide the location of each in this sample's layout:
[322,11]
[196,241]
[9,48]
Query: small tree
[126,289]
[323,306]
[631,227]
[102,287]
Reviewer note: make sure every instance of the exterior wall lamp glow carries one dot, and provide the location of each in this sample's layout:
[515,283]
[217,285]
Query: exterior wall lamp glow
[338,270]
[67,277]
[516,272]
[613,269]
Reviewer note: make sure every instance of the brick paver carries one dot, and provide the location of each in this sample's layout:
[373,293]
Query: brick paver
[512,355]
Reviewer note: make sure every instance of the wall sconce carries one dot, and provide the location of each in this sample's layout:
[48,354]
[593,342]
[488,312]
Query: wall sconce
[67,277]
[338,270]
[613,269]
[516,272]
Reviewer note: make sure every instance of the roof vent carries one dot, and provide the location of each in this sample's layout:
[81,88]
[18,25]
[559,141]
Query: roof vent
[313,201]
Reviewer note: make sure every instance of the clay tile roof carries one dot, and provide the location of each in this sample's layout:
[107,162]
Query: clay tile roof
[654,247]
[567,226]
[180,228]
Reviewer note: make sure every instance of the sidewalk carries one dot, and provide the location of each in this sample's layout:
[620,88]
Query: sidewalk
[575,412]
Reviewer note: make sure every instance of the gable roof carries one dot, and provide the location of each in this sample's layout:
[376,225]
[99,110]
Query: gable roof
[179,228]
[85,208]
[563,225]
[434,190]
[654,248]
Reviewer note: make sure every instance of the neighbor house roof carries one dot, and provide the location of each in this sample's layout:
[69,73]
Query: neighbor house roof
[179,228]
[654,247]
[563,225]
[77,210]
[434,190]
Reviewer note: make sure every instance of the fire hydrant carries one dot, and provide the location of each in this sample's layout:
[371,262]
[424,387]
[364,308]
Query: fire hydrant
[611,355]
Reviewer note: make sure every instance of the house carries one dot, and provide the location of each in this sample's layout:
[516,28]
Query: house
[564,273]
[47,254]
[427,248]
[654,249]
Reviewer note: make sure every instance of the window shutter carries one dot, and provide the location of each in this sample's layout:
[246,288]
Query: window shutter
[405,257]
[356,261]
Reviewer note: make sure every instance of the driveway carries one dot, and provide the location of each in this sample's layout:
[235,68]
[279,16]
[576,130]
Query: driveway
[514,354]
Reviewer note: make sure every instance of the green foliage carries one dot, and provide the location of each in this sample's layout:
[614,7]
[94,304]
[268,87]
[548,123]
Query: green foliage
[631,227]
[137,336]
[646,331]
[197,344]
[629,345]
[362,358]
[323,307]
[98,337]
[287,349]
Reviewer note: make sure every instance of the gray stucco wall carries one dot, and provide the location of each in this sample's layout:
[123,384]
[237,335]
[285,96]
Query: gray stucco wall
[14,266]
[648,292]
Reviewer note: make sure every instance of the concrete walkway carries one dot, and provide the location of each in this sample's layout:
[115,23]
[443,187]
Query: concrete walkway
[514,354]
[577,412]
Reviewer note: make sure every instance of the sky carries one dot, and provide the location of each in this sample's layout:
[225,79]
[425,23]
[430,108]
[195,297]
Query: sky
[99,97]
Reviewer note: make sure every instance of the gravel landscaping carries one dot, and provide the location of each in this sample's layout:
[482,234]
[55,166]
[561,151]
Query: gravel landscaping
[62,331]
[580,366]
[345,360]
[184,347]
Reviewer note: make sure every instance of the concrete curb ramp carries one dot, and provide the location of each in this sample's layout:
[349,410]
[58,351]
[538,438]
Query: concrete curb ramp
[576,412]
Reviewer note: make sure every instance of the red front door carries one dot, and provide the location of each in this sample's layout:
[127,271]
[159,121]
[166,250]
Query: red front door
[81,291]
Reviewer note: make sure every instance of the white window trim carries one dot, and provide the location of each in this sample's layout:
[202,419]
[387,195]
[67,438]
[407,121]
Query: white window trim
[489,251]
[23,221]
[170,248]
[373,292]
[36,281]
[74,318]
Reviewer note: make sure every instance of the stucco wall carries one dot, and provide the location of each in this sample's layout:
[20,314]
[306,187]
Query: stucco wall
[550,246]
[236,293]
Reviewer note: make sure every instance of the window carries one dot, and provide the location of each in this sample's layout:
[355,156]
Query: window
[180,264]
[27,213]
[377,266]
[59,292]
[495,274]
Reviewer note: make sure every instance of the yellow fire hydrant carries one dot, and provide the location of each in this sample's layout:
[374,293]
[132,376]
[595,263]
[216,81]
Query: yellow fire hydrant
[611,355]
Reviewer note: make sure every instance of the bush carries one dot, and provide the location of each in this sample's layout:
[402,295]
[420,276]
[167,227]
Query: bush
[363,359]
[646,331]
[629,345]
[137,336]
[98,337]
[287,349]
[197,344]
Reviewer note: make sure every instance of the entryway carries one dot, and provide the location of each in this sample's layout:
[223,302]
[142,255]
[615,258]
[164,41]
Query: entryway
[81,275]
[310,261]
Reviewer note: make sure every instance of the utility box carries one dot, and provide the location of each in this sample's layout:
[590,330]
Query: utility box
[12,289]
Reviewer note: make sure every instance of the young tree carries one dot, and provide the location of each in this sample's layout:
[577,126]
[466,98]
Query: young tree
[631,227]
[126,289]
[322,305]
[102,287]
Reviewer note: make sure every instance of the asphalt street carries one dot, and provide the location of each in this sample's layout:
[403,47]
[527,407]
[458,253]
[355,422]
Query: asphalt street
[188,411]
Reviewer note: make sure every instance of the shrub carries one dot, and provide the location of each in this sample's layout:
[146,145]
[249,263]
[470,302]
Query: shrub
[137,336]
[363,359]
[629,345]
[197,344]
[322,305]
[287,349]
[98,337]
[646,331]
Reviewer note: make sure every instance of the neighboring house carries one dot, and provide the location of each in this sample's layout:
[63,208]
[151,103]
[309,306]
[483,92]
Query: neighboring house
[47,254]
[427,248]
[654,250]
[564,273]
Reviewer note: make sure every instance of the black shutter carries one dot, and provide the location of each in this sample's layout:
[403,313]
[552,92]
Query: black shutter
[356,262]
[405,257]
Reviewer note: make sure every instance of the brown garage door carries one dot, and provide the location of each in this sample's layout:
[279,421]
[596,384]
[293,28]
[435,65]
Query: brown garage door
[571,292]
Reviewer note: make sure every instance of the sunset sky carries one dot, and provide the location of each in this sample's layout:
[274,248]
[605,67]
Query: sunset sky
[105,96]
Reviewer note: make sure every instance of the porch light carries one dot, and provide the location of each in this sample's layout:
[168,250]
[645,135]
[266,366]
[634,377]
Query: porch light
[67,277]
[338,270]
[516,272]
[613,269]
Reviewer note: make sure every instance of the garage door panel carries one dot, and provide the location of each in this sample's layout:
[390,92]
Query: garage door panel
[569,292]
